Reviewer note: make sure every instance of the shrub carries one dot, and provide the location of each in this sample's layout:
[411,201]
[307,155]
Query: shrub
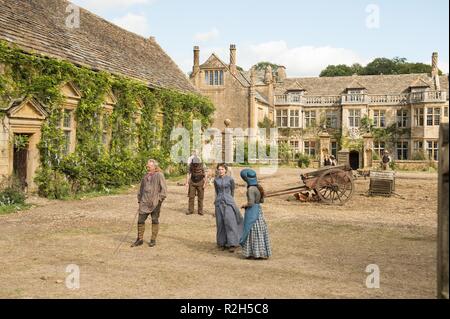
[11,192]
[11,196]
[303,160]
[52,184]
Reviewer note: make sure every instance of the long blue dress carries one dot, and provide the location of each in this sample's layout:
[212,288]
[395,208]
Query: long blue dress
[229,220]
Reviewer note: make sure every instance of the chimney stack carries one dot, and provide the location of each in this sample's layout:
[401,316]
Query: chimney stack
[196,60]
[281,73]
[233,67]
[434,65]
[268,76]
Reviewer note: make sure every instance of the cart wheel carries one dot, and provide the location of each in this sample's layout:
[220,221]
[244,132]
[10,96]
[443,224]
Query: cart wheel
[334,186]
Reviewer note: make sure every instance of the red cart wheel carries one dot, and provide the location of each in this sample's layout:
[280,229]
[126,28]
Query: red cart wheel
[334,186]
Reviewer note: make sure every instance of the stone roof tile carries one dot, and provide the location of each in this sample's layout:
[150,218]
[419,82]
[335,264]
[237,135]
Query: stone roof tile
[39,26]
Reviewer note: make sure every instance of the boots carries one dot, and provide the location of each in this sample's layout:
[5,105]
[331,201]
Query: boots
[155,229]
[140,239]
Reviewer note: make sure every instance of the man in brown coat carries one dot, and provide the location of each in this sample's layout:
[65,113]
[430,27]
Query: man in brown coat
[196,182]
[151,194]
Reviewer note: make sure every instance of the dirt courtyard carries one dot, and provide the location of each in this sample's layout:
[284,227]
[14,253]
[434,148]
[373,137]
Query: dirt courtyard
[319,251]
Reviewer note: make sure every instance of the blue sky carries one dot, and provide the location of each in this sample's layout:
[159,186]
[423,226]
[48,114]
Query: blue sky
[305,36]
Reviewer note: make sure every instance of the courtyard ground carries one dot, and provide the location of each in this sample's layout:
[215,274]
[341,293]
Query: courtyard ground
[319,251]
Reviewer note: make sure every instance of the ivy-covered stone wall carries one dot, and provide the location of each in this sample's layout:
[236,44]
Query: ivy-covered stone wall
[93,165]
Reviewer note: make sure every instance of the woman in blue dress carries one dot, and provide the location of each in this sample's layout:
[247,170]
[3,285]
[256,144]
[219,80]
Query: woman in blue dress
[255,240]
[228,217]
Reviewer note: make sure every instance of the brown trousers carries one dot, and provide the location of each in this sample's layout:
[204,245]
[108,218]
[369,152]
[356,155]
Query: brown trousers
[196,189]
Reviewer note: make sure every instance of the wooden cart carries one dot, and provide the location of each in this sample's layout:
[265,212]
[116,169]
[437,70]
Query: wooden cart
[332,185]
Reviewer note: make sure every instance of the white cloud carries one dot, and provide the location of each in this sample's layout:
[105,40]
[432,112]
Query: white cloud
[95,5]
[443,66]
[135,23]
[207,36]
[299,61]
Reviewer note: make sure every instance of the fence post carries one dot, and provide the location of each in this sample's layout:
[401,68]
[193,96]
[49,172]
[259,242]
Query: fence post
[442,254]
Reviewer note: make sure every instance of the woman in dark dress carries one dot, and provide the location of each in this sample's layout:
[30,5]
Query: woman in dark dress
[228,217]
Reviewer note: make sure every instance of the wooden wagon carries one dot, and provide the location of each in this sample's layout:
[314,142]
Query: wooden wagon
[332,185]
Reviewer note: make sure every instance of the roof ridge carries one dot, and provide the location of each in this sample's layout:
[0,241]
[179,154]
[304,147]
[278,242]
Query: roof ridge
[356,76]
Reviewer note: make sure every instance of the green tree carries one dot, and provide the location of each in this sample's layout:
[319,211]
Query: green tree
[337,70]
[263,65]
[381,66]
[378,66]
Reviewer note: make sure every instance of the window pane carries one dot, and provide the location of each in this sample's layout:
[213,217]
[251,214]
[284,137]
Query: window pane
[67,119]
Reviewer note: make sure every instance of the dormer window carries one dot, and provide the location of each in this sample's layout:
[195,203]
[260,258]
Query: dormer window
[418,89]
[355,91]
[214,77]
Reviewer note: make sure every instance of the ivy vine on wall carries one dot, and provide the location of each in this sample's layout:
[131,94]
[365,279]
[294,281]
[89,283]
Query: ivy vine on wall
[136,134]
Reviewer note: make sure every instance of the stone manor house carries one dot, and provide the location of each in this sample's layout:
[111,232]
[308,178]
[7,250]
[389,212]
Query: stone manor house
[319,115]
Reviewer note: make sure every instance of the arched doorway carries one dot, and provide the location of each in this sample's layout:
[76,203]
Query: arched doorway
[354,160]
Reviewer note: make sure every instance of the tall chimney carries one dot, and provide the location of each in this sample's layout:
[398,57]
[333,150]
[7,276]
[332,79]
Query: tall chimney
[196,60]
[434,64]
[268,76]
[233,67]
[435,71]
[281,73]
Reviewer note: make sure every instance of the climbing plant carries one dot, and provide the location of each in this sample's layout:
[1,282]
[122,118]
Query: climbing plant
[136,134]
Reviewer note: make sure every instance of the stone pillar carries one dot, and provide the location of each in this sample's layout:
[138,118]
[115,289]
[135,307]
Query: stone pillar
[367,150]
[227,142]
[325,146]
[343,157]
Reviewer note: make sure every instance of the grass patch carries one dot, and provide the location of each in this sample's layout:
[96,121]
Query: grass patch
[11,209]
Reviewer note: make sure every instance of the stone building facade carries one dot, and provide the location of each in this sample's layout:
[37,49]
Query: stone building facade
[324,115]
[38,27]
[238,96]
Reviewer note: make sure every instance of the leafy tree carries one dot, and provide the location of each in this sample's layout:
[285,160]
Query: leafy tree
[263,65]
[381,66]
[266,123]
[378,66]
[337,70]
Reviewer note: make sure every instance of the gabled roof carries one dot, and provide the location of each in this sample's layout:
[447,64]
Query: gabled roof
[39,26]
[262,98]
[419,83]
[373,84]
[355,84]
[295,86]
[214,62]
[26,108]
